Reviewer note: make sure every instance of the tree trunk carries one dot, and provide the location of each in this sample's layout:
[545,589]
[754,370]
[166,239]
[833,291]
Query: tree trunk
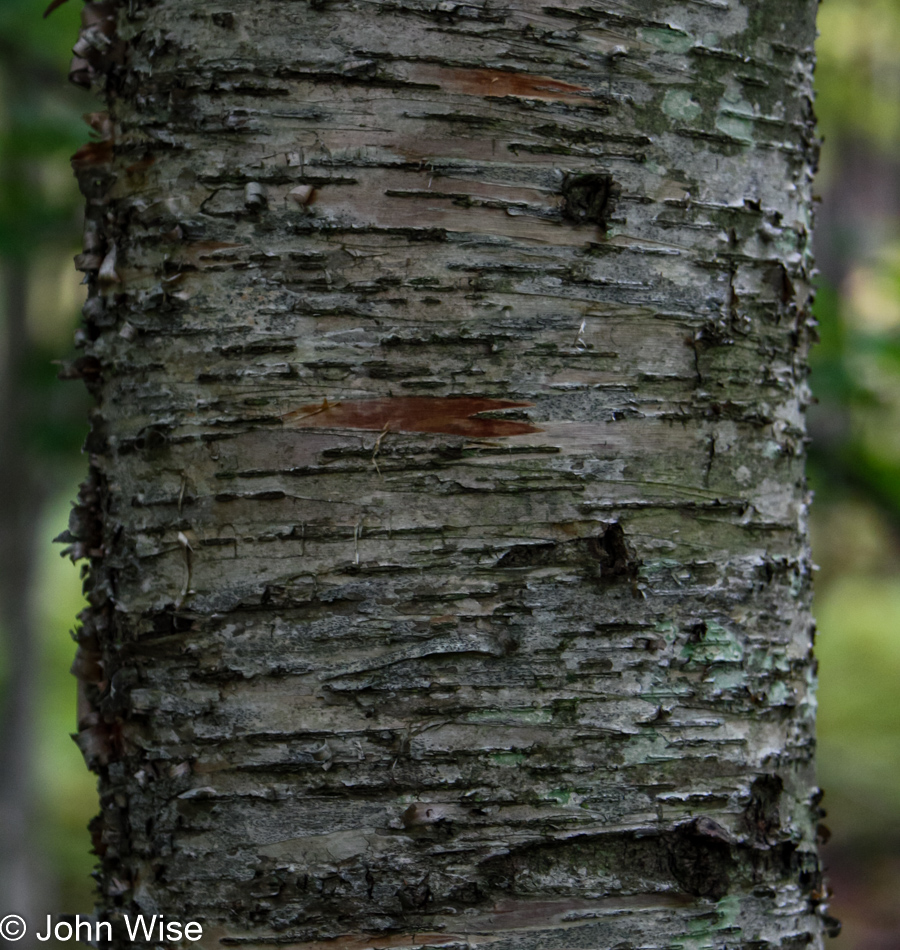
[449,578]
[21,882]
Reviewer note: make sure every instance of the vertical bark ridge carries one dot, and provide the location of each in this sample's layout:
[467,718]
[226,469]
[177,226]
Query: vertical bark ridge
[449,573]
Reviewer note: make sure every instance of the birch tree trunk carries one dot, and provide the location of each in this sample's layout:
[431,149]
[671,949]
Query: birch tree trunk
[449,578]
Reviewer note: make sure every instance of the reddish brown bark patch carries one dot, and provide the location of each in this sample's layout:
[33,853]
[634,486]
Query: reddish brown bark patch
[498,83]
[462,415]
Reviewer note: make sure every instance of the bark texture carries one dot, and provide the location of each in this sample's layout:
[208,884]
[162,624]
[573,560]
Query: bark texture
[448,561]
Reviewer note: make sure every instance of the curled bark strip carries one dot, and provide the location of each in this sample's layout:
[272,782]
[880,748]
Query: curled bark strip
[53,6]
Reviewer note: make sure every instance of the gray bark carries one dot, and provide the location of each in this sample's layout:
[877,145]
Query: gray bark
[449,578]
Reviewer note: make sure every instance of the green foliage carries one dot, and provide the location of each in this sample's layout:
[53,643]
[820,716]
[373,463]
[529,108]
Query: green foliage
[856,379]
[48,39]
[37,124]
[40,127]
[859,716]
[858,76]
[855,428]
[67,797]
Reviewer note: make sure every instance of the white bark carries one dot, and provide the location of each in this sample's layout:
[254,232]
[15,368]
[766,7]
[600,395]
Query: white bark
[449,574]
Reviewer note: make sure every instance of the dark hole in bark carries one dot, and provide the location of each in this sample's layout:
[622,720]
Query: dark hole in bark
[529,555]
[762,815]
[415,896]
[167,623]
[615,556]
[700,860]
[468,893]
[589,199]
[224,20]
[696,632]
[609,551]
[152,440]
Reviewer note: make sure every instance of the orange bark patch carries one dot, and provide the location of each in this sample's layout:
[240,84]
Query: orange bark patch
[497,83]
[449,416]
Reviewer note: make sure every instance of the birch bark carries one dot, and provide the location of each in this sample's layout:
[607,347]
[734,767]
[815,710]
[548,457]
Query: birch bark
[449,578]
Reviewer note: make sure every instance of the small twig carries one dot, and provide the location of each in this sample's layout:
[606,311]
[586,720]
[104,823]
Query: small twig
[579,336]
[326,405]
[187,551]
[52,7]
[377,447]
[485,444]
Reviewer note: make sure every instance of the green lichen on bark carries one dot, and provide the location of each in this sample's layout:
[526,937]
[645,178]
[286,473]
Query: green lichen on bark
[449,579]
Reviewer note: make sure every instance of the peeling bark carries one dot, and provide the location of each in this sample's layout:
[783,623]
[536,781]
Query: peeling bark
[449,578]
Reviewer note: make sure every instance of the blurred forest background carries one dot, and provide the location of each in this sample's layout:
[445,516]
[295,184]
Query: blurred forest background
[46,795]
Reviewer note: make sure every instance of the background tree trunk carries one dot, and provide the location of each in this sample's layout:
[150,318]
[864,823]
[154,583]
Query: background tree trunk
[449,575]
[21,881]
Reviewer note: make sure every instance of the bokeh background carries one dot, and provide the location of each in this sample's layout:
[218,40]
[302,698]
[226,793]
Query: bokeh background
[46,795]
